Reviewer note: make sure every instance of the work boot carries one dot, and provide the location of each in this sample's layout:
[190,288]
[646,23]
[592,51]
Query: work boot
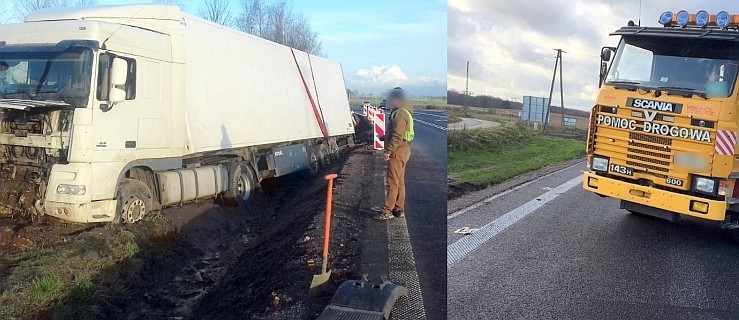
[383,216]
[399,213]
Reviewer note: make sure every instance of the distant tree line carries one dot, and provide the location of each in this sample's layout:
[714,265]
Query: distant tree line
[481,101]
[485,101]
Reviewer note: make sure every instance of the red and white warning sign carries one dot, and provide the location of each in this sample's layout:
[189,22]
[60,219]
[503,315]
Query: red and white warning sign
[725,142]
[371,113]
[379,122]
[364,109]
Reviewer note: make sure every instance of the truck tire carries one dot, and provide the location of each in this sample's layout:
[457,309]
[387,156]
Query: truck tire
[324,156]
[134,201]
[242,185]
[314,164]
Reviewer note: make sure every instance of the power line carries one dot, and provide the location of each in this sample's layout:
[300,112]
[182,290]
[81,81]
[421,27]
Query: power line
[512,62]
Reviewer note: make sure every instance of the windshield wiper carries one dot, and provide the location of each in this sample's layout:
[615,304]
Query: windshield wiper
[683,91]
[622,84]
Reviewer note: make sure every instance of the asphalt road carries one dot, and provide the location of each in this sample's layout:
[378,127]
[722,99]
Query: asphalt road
[426,180]
[551,250]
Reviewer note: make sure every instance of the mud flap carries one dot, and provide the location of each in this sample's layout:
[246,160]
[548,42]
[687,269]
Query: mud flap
[360,300]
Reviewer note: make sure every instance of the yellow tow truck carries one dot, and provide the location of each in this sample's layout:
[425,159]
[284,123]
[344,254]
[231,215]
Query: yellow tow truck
[663,131]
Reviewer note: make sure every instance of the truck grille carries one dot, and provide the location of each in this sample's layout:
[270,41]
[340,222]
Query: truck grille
[642,153]
[650,139]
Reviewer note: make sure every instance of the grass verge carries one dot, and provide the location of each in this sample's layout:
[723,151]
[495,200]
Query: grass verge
[482,157]
[49,282]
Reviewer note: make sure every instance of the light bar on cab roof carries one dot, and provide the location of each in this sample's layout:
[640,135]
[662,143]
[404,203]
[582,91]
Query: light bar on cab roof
[723,19]
[683,17]
[666,18]
[701,19]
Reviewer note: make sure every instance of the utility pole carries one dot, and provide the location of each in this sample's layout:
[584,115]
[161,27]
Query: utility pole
[557,64]
[467,89]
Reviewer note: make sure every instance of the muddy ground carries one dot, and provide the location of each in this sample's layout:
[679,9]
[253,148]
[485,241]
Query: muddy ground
[199,261]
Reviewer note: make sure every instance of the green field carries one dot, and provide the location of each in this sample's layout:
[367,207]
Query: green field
[484,157]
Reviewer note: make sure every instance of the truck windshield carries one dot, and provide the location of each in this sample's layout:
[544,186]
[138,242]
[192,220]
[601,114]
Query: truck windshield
[47,75]
[704,67]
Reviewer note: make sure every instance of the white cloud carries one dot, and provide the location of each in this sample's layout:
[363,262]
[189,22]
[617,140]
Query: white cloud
[381,76]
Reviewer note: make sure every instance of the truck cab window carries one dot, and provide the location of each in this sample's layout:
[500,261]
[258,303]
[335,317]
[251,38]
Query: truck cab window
[103,83]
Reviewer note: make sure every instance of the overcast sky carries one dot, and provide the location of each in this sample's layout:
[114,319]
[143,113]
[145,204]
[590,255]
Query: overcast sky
[380,44]
[509,42]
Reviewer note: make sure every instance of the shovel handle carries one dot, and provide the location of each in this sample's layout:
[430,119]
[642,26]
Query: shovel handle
[327,226]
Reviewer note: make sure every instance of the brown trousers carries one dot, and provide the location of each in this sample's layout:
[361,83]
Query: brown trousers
[395,199]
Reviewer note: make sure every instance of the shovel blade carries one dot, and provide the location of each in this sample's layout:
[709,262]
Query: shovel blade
[318,283]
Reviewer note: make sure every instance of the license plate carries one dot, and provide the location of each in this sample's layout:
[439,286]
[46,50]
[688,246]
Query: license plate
[674,182]
[621,169]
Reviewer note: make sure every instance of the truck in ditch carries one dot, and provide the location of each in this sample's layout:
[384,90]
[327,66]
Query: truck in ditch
[110,112]
[663,130]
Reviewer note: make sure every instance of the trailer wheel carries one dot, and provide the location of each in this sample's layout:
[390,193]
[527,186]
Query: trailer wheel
[324,156]
[314,162]
[134,201]
[314,165]
[242,185]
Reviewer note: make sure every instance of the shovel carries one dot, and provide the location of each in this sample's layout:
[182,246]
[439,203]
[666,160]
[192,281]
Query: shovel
[319,280]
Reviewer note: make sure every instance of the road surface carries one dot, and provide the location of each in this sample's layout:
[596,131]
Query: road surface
[550,250]
[426,179]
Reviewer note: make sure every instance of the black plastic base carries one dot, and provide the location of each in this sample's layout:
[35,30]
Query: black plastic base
[359,300]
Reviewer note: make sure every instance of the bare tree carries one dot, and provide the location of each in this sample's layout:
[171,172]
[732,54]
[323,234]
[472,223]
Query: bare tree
[253,18]
[278,22]
[216,11]
[22,7]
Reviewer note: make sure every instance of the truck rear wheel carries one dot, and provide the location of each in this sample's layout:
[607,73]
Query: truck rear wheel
[242,185]
[324,156]
[134,201]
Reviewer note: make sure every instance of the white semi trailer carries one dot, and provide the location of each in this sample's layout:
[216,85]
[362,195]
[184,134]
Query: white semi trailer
[110,112]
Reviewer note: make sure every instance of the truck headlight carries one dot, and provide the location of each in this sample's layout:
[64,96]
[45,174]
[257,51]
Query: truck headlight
[600,164]
[72,189]
[704,185]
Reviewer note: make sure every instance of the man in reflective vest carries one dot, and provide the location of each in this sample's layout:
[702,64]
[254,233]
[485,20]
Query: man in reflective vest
[397,153]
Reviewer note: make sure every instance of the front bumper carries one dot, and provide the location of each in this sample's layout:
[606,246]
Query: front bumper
[96,211]
[656,198]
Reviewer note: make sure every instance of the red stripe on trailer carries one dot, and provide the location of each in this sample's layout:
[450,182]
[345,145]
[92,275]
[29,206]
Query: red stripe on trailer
[310,97]
[725,142]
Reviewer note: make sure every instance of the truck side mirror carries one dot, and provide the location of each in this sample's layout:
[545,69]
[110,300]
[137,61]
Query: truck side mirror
[605,54]
[603,71]
[116,95]
[118,77]
[118,72]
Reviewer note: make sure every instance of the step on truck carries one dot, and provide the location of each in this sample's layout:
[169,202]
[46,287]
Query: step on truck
[663,130]
[110,112]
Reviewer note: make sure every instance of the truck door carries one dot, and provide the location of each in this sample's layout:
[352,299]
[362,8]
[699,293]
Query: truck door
[135,128]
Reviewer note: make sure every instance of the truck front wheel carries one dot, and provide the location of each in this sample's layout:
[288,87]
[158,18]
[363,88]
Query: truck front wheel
[134,201]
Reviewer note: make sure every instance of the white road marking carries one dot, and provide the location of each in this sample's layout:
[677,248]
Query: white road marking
[431,124]
[431,114]
[498,195]
[462,247]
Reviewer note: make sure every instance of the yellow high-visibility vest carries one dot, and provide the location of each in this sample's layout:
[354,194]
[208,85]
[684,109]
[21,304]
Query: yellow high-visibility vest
[409,134]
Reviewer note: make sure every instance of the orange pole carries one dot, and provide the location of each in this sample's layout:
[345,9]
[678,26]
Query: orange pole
[327,225]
